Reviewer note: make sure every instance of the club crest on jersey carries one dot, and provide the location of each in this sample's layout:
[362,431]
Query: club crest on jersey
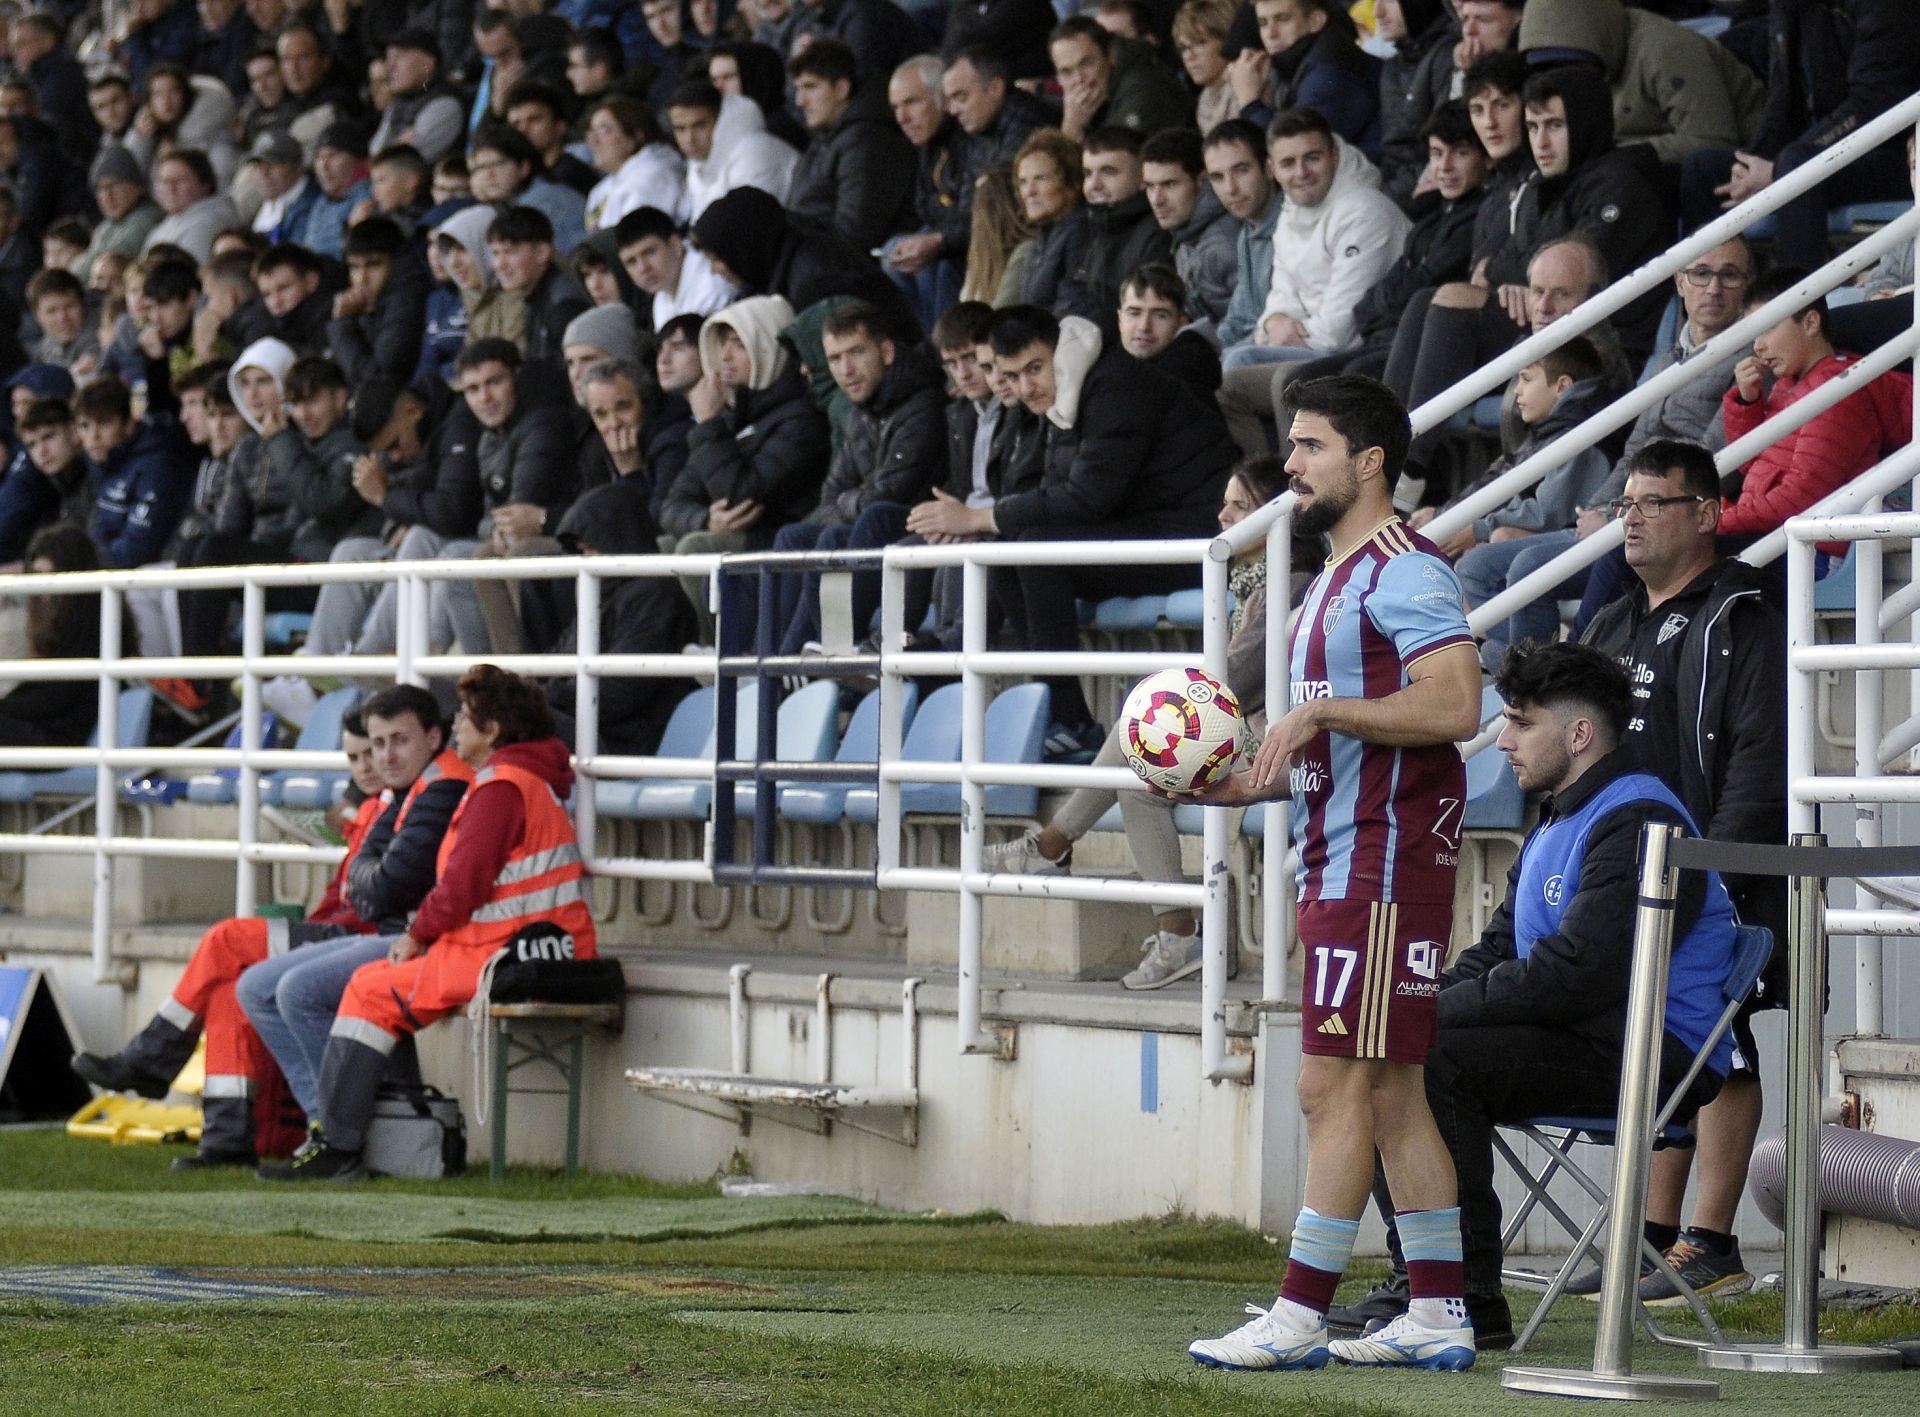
[1555,887]
[1674,625]
[1336,607]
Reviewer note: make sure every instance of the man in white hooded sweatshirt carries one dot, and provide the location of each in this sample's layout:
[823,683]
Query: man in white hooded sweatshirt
[727,145]
[1336,237]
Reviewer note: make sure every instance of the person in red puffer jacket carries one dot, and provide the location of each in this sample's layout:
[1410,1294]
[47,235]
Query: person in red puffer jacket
[1825,454]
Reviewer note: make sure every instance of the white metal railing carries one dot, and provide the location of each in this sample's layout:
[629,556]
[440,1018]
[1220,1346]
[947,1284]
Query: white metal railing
[1868,787]
[1273,521]
[412,660]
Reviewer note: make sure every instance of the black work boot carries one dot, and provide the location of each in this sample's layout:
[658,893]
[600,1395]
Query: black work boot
[113,1073]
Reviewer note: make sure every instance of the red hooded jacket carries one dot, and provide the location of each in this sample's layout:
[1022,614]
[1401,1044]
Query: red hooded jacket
[1821,457]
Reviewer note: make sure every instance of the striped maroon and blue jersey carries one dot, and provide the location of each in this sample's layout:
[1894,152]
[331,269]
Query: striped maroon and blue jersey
[1372,822]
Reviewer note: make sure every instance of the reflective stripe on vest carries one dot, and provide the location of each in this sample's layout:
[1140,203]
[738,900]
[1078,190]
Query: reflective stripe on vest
[540,862]
[543,878]
[533,903]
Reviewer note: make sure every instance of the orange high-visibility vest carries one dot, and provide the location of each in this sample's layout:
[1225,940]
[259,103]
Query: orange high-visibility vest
[543,878]
[448,764]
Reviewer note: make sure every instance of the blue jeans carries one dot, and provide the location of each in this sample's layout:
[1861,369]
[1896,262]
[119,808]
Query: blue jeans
[1247,355]
[291,1000]
[931,291]
[1492,566]
[797,598]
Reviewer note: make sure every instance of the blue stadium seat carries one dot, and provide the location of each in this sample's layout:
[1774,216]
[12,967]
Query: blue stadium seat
[1486,413]
[1712,26]
[135,717]
[321,734]
[303,788]
[1129,612]
[686,799]
[284,627]
[1842,220]
[163,791]
[1664,337]
[1835,590]
[1016,731]
[927,621]
[1187,609]
[824,803]
[1494,800]
[688,734]
[806,730]
[932,737]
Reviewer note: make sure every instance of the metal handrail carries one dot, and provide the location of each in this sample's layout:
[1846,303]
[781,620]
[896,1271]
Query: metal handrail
[1897,120]
[1629,405]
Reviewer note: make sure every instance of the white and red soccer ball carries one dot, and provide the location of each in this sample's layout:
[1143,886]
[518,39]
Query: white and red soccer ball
[1182,729]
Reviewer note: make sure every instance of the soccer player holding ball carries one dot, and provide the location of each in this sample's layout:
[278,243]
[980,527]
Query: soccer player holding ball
[1384,682]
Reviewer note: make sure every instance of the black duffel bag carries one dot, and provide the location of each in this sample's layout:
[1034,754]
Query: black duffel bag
[538,967]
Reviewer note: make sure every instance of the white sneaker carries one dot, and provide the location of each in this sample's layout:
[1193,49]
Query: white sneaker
[291,697]
[1021,857]
[1263,1344]
[1407,1343]
[1167,958]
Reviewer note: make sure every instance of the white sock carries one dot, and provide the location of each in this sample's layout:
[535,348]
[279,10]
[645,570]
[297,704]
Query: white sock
[1438,1313]
[1297,1316]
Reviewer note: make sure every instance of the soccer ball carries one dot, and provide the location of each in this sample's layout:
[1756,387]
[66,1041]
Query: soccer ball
[1182,729]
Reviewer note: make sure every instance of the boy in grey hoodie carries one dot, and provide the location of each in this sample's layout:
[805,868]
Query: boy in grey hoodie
[1556,392]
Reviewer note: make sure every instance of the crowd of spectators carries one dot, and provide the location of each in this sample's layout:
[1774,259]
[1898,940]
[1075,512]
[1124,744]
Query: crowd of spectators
[344,282]
[449,279]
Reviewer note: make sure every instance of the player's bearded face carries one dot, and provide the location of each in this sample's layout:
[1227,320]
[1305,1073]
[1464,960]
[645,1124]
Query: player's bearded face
[1325,498]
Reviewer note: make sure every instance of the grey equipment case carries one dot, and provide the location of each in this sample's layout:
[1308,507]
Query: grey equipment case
[415,1132]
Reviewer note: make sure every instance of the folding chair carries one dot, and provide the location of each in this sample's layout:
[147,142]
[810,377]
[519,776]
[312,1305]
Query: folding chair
[1752,946]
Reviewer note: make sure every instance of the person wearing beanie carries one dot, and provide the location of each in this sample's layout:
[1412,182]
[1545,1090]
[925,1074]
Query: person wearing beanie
[127,214]
[340,169]
[604,332]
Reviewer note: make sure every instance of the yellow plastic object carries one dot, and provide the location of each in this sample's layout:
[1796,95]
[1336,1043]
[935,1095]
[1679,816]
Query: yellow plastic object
[135,1121]
[193,1077]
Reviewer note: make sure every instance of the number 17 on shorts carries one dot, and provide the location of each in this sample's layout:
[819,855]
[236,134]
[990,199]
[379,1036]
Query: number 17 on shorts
[1372,978]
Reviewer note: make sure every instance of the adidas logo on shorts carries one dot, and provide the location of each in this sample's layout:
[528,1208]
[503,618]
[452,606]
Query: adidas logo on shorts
[1333,1026]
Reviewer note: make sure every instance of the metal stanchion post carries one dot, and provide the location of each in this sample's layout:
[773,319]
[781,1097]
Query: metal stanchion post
[1612,1374]
[1801,1350]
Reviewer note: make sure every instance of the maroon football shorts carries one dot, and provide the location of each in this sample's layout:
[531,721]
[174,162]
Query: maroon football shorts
[1372,985]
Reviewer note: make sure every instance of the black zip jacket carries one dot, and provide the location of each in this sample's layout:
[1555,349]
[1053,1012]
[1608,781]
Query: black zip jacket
[1726,755]
[393,871]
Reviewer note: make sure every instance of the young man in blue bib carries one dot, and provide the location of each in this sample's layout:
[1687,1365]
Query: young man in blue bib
[1533,1015]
